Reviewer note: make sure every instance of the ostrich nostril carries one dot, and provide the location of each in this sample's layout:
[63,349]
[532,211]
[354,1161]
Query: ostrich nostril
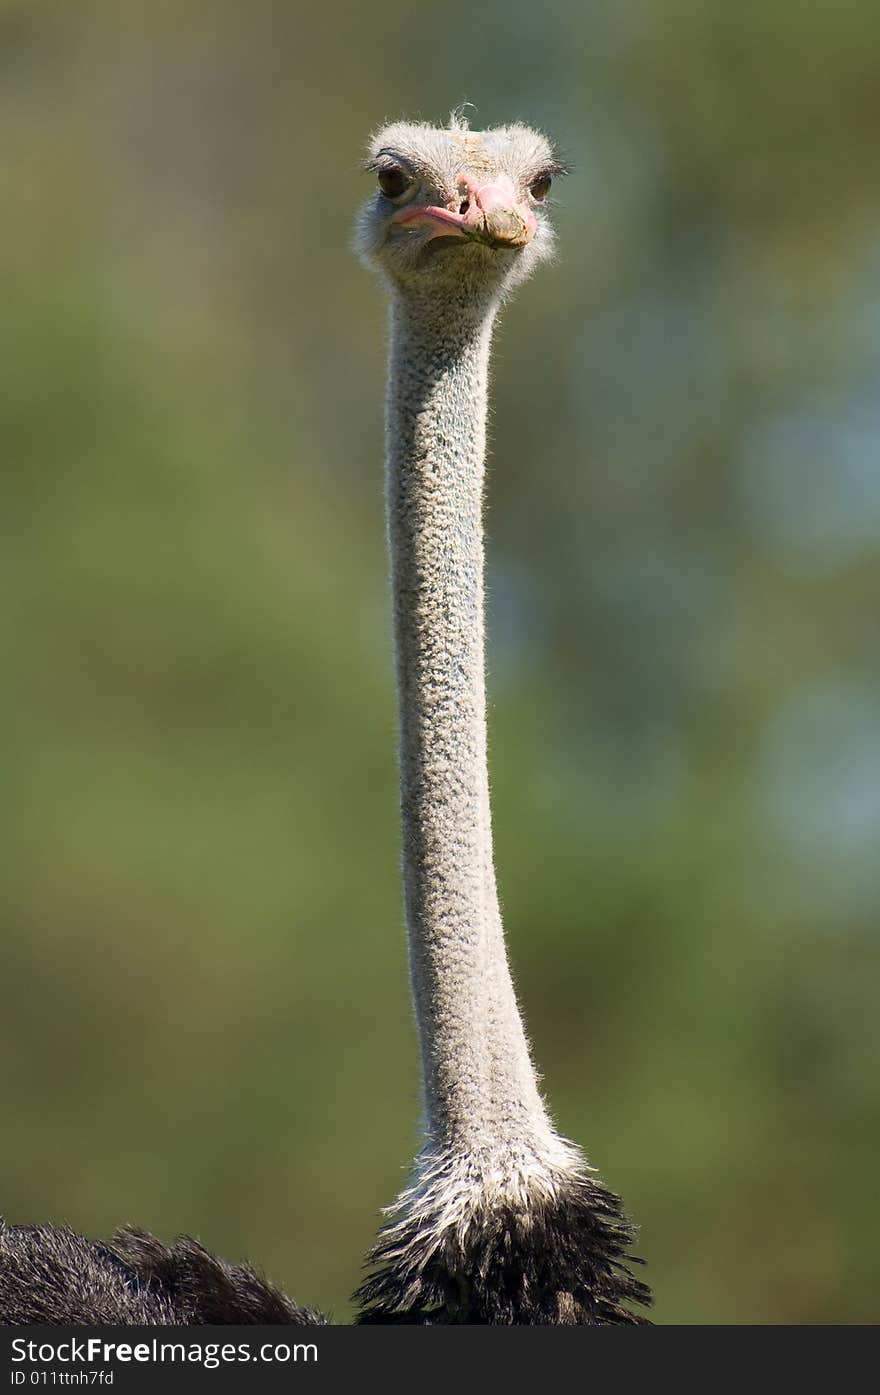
[464,205]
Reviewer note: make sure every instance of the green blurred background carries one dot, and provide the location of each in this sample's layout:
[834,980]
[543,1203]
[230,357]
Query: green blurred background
[205,1023]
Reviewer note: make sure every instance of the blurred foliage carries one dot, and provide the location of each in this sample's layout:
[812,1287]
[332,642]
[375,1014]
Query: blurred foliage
[205,1022]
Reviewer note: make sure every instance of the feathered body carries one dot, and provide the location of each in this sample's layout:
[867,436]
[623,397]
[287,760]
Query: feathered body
[51,1276]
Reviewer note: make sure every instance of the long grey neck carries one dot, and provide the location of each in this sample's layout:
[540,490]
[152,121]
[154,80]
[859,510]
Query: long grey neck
[480,1091]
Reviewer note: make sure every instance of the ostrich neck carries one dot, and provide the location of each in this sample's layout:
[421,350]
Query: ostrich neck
[480,1092]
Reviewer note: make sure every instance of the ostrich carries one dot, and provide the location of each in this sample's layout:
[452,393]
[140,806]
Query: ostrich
[503,1221]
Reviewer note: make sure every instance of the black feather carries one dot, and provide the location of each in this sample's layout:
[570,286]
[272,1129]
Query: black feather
[50,1275]
[560,1263]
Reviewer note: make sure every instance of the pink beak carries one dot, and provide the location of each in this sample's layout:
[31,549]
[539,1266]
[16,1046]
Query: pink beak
[493,214]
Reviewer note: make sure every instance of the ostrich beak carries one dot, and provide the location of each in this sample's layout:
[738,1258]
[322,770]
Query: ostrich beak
[490,212]
[496,214]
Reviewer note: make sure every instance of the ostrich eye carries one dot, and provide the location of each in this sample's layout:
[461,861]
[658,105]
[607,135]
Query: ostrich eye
[540,188]
[393,182]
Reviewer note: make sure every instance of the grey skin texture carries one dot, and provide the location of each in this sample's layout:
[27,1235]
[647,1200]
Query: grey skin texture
[492,1164]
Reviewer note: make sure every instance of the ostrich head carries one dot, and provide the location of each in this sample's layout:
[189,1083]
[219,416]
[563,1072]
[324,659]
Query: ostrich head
[457,208]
